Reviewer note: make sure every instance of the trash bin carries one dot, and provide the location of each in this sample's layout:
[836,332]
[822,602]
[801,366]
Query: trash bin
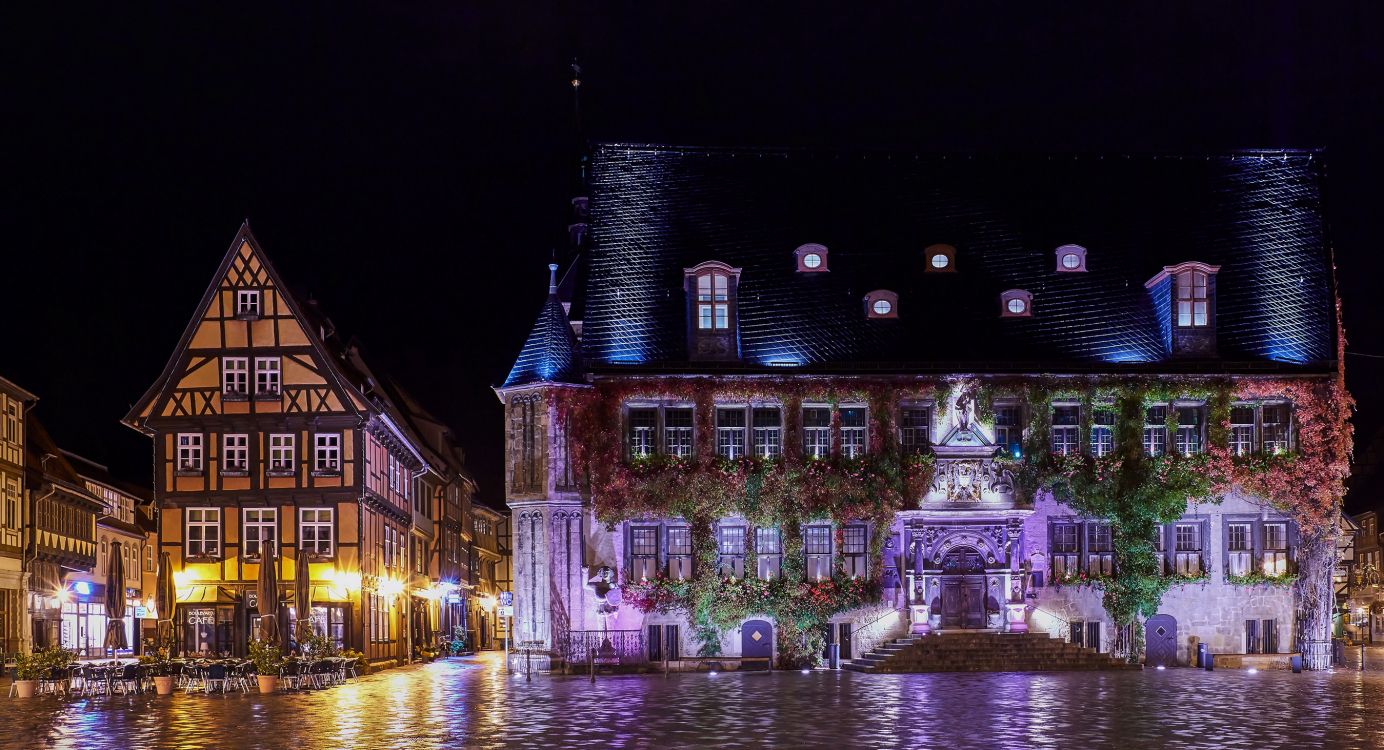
[834,655]
[1202,656]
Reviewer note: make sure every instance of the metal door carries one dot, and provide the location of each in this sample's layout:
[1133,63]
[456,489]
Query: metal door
[1160,641]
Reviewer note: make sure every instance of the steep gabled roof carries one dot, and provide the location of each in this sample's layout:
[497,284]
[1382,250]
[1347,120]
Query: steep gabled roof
[657,210]
[551,354]
[244,236]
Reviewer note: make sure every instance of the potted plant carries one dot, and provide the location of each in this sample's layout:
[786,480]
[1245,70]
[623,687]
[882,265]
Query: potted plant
[159,663]
[28,668]
[267,660]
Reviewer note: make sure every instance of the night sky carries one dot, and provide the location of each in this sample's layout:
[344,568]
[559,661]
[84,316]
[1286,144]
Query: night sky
[410,168]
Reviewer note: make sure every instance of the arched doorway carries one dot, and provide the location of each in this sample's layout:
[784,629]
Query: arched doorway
[756,642]
[963,588]
[1160,641]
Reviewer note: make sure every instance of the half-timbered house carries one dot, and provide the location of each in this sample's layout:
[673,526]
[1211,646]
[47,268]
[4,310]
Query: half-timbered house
[14,630]
[271,441]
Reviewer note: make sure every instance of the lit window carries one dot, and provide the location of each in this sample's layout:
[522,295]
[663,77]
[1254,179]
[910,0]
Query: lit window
[882,303]
[1189,430]
[817,431]
[327,452]
[1187,549]
[261,531]
[1155,430]
[768,549]
[235,450]
[1016,303]
[1071,259]
[235,376]
[642,424]
[267,376]
[1241,430]
[939,258]
[1064,550]
[1239,549]
[203,532]
[1275,421]
[713,300]
[1192,301]
[853,431]
[768,432]
[1102,432]
[1100,555]
[1066,424]
[730,433]
[281,452]
[247,303]
[315,531]
[731,550]
[677,432]
[189,451]
[1007,430]
[811,258]
[1275,549]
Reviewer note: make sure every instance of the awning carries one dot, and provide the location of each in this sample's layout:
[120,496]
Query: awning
[324,594]
[206,595]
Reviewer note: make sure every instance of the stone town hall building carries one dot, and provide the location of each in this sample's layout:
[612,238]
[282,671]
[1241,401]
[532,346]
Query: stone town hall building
[780,313]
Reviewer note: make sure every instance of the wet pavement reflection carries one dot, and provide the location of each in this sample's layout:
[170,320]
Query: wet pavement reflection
[474,703]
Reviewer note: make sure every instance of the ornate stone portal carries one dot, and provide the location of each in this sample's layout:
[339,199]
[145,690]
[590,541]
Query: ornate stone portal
[966,469]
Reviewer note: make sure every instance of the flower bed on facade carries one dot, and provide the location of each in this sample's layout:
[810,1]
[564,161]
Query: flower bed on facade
[1134,492]
[1258,579]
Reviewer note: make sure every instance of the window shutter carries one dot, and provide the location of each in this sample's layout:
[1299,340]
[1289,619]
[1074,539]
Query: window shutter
[1093,635]
[1077,633]
[655,643]
[671,633]
[1268,634]
[1251,636]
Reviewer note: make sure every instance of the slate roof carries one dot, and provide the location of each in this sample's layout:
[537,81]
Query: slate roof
[551,354]
[657,210]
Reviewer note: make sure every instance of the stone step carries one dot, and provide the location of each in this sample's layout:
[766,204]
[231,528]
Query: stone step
[982,651]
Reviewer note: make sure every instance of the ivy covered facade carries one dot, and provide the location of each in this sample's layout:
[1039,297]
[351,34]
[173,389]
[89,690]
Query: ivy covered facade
[755,418]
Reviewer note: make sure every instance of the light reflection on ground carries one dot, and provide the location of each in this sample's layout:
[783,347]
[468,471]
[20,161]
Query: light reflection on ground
[472,703]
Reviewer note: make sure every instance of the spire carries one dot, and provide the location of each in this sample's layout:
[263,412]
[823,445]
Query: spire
[551,354]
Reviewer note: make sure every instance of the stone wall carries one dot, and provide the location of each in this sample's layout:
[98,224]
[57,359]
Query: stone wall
[1213,612]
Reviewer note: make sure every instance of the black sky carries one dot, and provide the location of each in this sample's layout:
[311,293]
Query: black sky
[409,165]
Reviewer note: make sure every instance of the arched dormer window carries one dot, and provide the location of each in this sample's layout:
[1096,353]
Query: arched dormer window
[939,259]
[1071,259]
[712,311]
[811,258]
[1016,303]
[881,303]
[1185,297]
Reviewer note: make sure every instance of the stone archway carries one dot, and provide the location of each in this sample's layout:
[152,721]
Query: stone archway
[962,598]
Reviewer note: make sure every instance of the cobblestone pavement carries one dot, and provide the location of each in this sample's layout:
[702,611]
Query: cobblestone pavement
[473,703]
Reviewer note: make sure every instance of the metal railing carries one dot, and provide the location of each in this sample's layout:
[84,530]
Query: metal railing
[1064,627]
[606,646]
[865,638]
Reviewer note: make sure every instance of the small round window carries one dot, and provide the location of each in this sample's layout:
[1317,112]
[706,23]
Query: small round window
[882,307]
[1017,306]
[940,260]
[1070,260]
[812,260]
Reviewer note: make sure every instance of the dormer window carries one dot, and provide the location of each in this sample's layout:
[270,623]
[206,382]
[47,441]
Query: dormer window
[811,258]
[881,303]
[1071,259]
[1185,297]
[940,259]
[712,311]
[248,303]
[1016,303]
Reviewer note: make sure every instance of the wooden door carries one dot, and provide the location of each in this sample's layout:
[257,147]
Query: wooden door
[953,602]
[975,603]
[756,642]
[1160,641]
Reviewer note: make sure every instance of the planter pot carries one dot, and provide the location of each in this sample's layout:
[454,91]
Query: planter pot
[25,688]
[163,685]
[268,683]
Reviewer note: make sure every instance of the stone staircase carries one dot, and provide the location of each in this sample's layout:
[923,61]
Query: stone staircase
[982,651]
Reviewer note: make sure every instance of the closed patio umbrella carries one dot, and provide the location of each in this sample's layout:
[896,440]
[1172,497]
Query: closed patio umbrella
[302,597]
[116,638]
[268,589]
[166,599]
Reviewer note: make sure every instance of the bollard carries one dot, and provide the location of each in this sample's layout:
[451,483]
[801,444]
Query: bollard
[528,666]
[591,663]
[1362,656]
[665,664]
[1296,662]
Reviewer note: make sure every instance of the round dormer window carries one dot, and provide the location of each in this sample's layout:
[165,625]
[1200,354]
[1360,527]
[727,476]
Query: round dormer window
[883,307]
[1017,306]
[812,260]
[1071,261]
[940,260]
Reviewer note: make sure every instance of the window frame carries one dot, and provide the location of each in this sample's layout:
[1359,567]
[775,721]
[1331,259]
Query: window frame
[915,438]
[819,433]
[282,444]
[1102,441]
[266,375]
[1065,436]
[1156,430]
[202,523]
[235,454]
[189,459]
[731,439]
[767,439]
[1192,298]
[855,438]
[318,524]
[319,449]
[259,524]
[235,371]
[243,311]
